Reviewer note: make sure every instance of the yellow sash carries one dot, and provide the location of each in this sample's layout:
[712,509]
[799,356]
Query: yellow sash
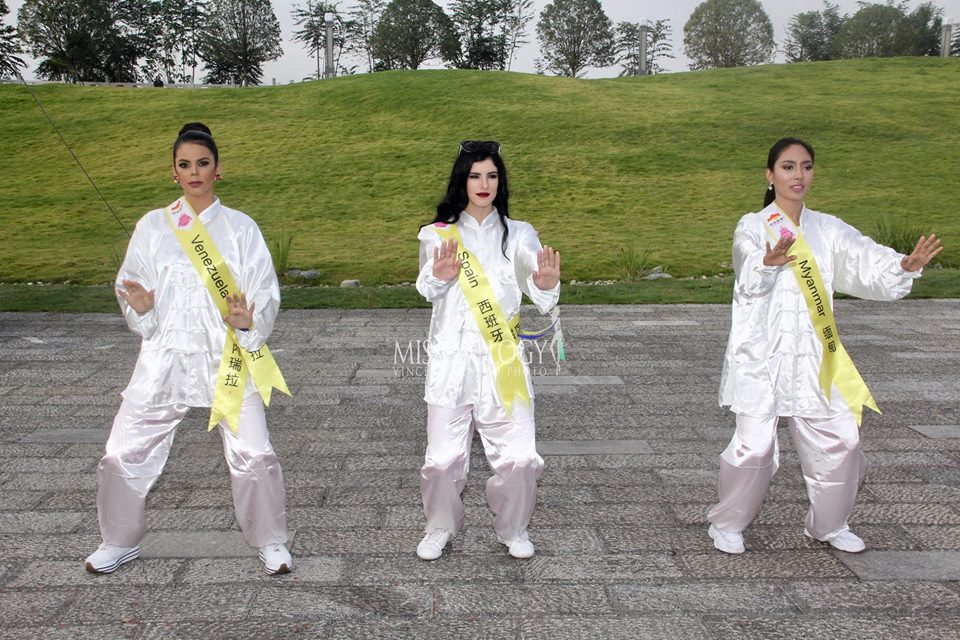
[236,362]
[836,367]
[500,334]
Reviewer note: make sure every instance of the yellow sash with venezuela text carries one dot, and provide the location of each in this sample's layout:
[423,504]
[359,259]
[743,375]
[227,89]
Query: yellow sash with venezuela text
[836,367]
[236,361]
[500,334]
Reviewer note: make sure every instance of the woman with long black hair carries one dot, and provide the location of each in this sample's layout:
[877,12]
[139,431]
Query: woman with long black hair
[475,262]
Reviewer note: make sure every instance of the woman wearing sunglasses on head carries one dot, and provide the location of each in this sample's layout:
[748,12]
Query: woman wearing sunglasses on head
[475,262]
[785,358]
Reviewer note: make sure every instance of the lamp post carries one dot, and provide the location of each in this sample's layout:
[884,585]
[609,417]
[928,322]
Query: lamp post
[946,35]
[329,71]
[644,30]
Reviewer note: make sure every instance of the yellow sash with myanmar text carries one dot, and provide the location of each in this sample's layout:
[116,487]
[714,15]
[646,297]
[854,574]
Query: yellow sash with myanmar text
[836,367]
[500,334]
[236,362]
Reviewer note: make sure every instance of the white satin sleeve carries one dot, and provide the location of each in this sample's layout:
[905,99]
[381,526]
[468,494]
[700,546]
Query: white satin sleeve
[525,264]
[865,269]
[429,286]
[138,265]
[258,281]
[749,247]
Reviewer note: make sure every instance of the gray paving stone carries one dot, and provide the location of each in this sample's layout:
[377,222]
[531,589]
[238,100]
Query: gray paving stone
[68,435]
[764,565]
[711,597]
[590,627]
[904,565]
[356,602]
[900,596]
[592,447]
[938,430]
[521,600]
[621,537]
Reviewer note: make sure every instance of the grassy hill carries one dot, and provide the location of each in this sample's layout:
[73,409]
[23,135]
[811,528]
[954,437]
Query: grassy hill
[351,167]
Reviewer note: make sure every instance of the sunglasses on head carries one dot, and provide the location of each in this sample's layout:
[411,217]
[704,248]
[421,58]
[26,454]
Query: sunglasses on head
[484,146]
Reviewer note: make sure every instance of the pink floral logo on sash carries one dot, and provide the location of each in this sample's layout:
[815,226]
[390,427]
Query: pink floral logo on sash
[183,220]
[440,225]
[786,233]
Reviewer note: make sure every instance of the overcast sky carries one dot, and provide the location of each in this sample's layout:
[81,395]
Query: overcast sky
[297,63]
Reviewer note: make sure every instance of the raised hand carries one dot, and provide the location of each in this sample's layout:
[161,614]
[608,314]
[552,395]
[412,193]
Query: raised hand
[548,264]
[135,295]
[927,248]
[239,316]
[446,266]
[777,256]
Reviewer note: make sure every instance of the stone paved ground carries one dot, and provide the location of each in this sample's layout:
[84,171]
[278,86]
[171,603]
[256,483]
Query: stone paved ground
[631,435]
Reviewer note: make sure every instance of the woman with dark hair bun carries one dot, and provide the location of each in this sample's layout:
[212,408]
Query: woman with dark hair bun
[475,263]
[785,359]
[198,285]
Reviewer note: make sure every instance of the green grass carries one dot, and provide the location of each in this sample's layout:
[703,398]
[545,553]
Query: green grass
[935,283]
[350,168]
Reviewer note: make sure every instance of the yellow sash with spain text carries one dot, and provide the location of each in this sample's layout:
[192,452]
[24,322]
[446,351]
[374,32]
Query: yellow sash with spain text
[236,362]
[500,334]
[836,367]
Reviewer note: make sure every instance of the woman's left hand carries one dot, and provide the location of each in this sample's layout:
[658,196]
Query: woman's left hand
[548,265]
[927,248]
[239,316]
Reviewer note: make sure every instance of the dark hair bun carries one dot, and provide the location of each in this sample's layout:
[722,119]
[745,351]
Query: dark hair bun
[195,126]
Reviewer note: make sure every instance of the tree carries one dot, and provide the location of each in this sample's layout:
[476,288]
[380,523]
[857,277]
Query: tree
[629,38]
[10,64]
[479,26]
[810,35]
[313,32]
[181,29]
[410,32]
[878,30]
[360,27]
[78,41]
[574,35]
[239,37]
[728,33]
[923,30]
[515,26]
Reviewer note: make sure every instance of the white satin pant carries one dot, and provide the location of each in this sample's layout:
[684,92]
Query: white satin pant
[137,450]
[510,447]
[833,470]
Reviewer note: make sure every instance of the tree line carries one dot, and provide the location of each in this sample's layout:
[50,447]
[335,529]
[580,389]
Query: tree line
[231,40]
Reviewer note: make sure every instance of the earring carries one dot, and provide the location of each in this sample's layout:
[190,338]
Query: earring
[218,177]
[176,179]
[770,188]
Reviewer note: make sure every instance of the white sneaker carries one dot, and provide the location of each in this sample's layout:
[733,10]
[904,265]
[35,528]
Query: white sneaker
[107,558]
[726,541]
[276,559]
[431,547]
[520,548]
[846,540]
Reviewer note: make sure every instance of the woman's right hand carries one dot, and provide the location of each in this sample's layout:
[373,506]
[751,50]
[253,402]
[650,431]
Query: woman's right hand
[777,256]
[446,266]
[139,299]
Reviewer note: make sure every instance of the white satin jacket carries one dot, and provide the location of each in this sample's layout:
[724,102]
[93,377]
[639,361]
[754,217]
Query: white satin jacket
[184,333]
[772,363]
[459,359]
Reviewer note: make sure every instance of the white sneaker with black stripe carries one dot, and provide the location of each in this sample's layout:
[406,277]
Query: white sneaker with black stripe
[107,558]
[276,559]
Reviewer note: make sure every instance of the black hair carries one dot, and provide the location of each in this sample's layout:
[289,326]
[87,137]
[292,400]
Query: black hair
[769,195]
[197,133]
[455,200]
